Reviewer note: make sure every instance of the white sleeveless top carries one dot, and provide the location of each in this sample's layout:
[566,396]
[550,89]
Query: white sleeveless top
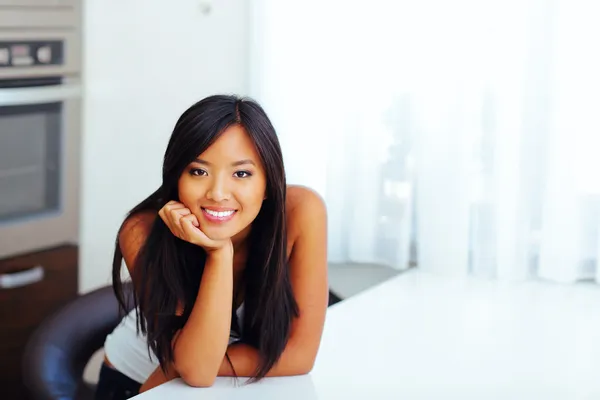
[128,352]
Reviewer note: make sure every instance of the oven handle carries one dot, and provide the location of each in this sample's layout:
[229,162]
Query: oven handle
[38,95]
[22,278]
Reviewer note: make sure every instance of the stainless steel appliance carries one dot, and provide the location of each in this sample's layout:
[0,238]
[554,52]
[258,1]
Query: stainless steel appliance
[40,106]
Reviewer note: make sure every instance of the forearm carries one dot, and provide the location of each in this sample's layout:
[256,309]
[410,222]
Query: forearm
[202,342]
[158,377]
[245,360]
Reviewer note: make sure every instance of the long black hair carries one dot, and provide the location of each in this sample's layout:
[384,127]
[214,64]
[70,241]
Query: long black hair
[168,270]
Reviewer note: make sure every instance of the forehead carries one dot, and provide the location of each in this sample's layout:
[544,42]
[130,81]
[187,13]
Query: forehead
[233,144]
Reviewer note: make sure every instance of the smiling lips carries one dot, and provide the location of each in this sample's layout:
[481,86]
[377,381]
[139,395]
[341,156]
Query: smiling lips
[218,215]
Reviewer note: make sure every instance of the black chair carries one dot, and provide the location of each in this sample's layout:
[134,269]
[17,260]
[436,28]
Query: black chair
[60,348]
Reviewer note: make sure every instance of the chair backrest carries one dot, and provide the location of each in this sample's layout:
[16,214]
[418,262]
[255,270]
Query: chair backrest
[58,351]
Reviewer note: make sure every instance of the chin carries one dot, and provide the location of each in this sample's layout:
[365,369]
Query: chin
[219,237]
[216,234]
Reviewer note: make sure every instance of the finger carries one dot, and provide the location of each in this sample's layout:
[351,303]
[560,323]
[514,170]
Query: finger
[165,210]
[176,215]
[173,205]
[190,232]
[170,213]
[191,218]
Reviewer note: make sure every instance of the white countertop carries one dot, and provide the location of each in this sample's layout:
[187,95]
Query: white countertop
[421,336]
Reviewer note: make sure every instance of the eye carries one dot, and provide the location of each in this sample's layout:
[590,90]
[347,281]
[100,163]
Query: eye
[197,172]
[242,174]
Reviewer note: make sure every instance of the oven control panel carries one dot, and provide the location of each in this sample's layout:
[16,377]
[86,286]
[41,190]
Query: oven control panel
[28,53]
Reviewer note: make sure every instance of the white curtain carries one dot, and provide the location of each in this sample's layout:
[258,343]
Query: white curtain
[463,136]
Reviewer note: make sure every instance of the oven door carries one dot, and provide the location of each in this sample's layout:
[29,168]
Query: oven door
[39,158]
[53,14]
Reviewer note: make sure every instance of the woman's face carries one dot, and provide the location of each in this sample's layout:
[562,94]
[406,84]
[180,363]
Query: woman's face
[225,186]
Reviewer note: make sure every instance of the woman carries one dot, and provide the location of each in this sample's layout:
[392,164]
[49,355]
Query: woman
[228,264]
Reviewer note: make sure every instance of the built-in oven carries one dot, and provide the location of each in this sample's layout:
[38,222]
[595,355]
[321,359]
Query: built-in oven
[40,125]
[40,106]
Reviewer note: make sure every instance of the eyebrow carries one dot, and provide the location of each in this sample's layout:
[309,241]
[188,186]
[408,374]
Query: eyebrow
[234,164]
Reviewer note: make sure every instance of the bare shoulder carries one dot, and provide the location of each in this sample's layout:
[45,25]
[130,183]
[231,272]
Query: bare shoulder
[301,197]
[137,225]
[133,235]
[303,206]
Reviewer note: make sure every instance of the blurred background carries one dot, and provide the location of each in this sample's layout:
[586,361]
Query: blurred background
[460,138]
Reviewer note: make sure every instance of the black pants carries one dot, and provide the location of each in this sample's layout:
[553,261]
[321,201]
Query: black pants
[113,385]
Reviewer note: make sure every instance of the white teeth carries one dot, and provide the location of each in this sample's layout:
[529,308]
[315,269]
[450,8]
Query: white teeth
[219,214]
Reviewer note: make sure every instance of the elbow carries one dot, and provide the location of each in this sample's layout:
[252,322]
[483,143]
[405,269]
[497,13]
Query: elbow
[306,362]
[303,367]
[197,374]
[306,368]
[298,362]
[199,382]
[199,379]
[193,372]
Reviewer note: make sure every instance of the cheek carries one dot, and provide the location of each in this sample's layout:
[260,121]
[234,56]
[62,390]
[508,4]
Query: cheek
[188,194]
[253,199]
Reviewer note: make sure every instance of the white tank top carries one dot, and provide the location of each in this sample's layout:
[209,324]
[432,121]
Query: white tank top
[128,352]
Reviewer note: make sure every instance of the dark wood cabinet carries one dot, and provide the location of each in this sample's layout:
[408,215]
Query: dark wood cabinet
[23,308]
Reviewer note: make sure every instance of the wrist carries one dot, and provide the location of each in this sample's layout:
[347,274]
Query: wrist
[221,253]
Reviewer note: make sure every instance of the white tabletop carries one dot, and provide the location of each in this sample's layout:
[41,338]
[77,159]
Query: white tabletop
[421,336]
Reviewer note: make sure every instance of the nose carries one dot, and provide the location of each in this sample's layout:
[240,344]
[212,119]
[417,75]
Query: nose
[218,190]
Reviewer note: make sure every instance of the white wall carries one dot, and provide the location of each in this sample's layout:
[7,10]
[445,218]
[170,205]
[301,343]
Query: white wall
[145,62]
